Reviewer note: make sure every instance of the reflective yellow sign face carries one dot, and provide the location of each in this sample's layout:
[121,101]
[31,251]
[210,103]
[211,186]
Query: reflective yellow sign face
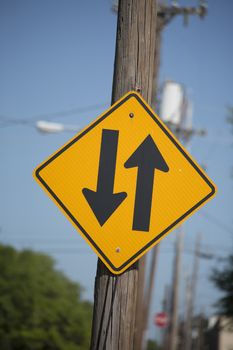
[124,182]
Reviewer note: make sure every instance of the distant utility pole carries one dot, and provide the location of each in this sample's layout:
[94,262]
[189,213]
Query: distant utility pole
[165,14]
[166,308]
[191,292]
[173,325]
[140,317]
[115,296]
[148,295]
[200,338]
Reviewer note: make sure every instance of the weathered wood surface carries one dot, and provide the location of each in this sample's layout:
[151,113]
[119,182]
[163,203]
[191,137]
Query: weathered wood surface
[135,48]
[115,296]
[139,322]
[114,309]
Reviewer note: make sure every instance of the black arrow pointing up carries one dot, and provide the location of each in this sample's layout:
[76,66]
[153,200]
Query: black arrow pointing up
[104,202]
[147,158]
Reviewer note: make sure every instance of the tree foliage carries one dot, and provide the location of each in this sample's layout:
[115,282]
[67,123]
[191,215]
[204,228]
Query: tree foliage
[223,280]
[40,308]
[230,115]
[152,345]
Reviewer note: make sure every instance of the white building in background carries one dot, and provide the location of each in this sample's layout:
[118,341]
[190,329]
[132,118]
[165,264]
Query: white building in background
[220,333]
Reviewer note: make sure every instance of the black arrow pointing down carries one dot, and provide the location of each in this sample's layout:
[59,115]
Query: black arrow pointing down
[103,201]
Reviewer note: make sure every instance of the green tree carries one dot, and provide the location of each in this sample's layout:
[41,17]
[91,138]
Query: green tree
[152,345]
[230,115]
[223,280]
[40,308]
[230,121]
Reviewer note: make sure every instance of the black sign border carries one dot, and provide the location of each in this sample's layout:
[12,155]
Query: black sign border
[157,121]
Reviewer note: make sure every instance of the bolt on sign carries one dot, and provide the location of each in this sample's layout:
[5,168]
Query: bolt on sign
[124,182]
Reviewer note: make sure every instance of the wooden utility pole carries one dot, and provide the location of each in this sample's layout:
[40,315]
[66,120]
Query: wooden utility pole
[115,296]
[140,319]
[165,13]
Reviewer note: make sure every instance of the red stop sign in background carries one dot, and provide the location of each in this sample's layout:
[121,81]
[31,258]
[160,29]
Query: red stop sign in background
[161,319]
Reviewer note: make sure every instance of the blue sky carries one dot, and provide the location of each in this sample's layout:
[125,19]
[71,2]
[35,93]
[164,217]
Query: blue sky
[57,56]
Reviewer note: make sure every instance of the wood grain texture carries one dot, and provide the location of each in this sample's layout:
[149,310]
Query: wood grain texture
[135,48]
[116,295]
[139,322]
[114,309]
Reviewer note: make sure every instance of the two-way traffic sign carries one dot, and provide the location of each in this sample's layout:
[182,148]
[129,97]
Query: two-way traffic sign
[124,182]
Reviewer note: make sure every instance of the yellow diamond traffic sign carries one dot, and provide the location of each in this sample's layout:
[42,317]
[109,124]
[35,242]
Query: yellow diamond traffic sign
[124,182]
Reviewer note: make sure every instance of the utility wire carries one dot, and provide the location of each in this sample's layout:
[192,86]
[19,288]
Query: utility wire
[217,222]
[64,113]
[82,250]
[208,248]
[39,239]
[8,121]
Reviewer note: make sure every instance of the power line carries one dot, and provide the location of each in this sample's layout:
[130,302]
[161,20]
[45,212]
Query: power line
[8,121]
[56,250]
[207,248]
[82,251]
[165,248]
[64,113]
[217,222]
